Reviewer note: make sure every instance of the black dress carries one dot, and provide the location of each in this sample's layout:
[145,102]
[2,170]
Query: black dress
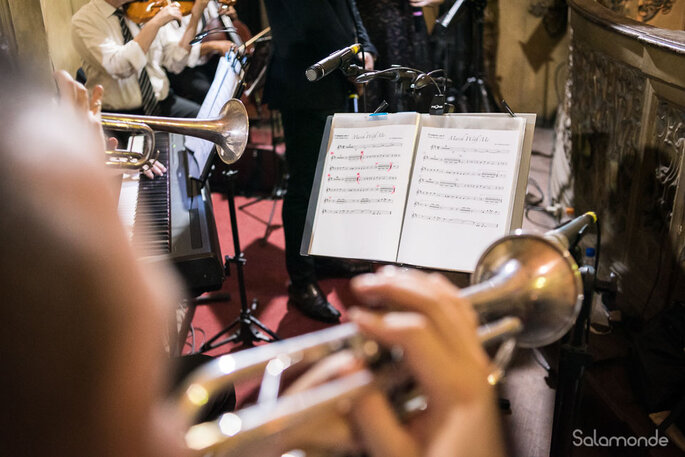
[400,38]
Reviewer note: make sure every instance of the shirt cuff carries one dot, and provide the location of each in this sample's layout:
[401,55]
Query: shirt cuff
[135,55]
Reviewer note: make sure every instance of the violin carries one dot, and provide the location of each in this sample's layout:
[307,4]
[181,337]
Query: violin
[141,11]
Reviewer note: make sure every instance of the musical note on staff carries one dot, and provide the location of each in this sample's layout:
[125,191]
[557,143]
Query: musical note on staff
[361,201]
[455,184]
[442,195]
[455,220]
[356,156]
[459,161]
[456,209]
[369,212]
[359,178]
[379,189]
[377,166]
[482,174]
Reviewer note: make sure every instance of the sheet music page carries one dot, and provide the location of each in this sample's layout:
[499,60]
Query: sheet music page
[461,194]
[226,79]
[363,191]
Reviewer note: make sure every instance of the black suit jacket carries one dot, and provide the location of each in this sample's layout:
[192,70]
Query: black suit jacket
[303,32]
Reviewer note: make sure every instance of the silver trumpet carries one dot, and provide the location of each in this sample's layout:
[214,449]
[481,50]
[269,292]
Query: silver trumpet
[228,132]
[527,286]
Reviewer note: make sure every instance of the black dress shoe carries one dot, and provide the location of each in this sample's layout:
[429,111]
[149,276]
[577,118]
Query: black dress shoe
[312,302]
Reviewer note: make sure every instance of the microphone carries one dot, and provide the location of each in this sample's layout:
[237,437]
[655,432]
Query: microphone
[201,36]
[331,63]
[569,233]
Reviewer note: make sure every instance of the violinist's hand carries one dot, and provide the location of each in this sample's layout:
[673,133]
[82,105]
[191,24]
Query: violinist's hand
[171,12]
[230,12]
[221,47]
[74,95]
[425,316]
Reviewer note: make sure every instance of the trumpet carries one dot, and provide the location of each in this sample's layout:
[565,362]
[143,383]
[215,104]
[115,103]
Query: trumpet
[228,131]
[527,286]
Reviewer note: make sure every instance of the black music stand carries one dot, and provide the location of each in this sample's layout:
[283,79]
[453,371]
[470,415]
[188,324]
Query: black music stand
[248,326]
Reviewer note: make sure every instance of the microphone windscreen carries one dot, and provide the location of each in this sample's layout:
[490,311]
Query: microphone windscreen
[313,73]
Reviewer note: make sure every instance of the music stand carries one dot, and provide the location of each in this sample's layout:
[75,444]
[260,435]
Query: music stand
[246,322]
[246,333]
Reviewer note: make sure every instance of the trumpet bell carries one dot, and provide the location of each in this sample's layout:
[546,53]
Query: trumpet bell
[232,132]
[534,278]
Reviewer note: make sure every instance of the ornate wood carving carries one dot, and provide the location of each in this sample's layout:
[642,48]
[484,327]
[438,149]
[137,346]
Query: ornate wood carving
[606,112]
[653,249]
[647,9]
[627,152]
[617,6]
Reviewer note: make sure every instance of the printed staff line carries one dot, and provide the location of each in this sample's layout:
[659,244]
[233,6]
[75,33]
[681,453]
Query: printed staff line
[458,161]
[459,209]
[362,201]
[372,212]
[481,174]
[453,184]
[486,199]
[454,220]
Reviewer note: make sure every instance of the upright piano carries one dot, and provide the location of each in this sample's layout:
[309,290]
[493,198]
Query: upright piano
[171,217]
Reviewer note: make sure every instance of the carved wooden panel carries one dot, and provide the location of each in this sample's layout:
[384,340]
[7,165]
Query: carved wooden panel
[606,111]
[627,150]
[654,246]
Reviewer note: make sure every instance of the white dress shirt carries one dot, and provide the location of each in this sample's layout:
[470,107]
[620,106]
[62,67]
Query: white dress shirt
[96,34]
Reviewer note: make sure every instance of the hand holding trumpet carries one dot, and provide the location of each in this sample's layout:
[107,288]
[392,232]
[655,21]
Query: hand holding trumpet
[423,315]
[436,329]
[74,95]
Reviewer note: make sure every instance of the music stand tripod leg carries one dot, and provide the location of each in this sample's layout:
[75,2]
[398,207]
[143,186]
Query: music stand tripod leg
[245,332]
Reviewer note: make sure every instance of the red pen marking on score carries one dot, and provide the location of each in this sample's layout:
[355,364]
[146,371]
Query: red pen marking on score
[357,177]
[390,166]
[361,155]
[393,189]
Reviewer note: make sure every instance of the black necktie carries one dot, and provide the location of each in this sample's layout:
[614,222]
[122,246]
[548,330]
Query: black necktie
[150,106]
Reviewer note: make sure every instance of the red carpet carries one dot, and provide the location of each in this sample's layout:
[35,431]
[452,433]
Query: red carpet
[265,277]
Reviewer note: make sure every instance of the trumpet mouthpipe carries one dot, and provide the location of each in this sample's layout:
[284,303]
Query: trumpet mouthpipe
[130,160]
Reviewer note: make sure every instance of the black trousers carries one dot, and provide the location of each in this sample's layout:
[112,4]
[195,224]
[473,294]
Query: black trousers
[193,83]
[172,106]
[303,130]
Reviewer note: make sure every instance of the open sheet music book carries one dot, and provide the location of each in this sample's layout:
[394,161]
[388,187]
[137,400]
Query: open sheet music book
[408,188]
[229,74]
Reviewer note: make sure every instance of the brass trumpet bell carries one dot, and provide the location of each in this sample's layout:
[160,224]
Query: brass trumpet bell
[229,131]
[531,277]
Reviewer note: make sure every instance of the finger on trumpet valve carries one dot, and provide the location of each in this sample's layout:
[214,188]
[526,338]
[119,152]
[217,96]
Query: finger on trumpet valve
[501,361]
